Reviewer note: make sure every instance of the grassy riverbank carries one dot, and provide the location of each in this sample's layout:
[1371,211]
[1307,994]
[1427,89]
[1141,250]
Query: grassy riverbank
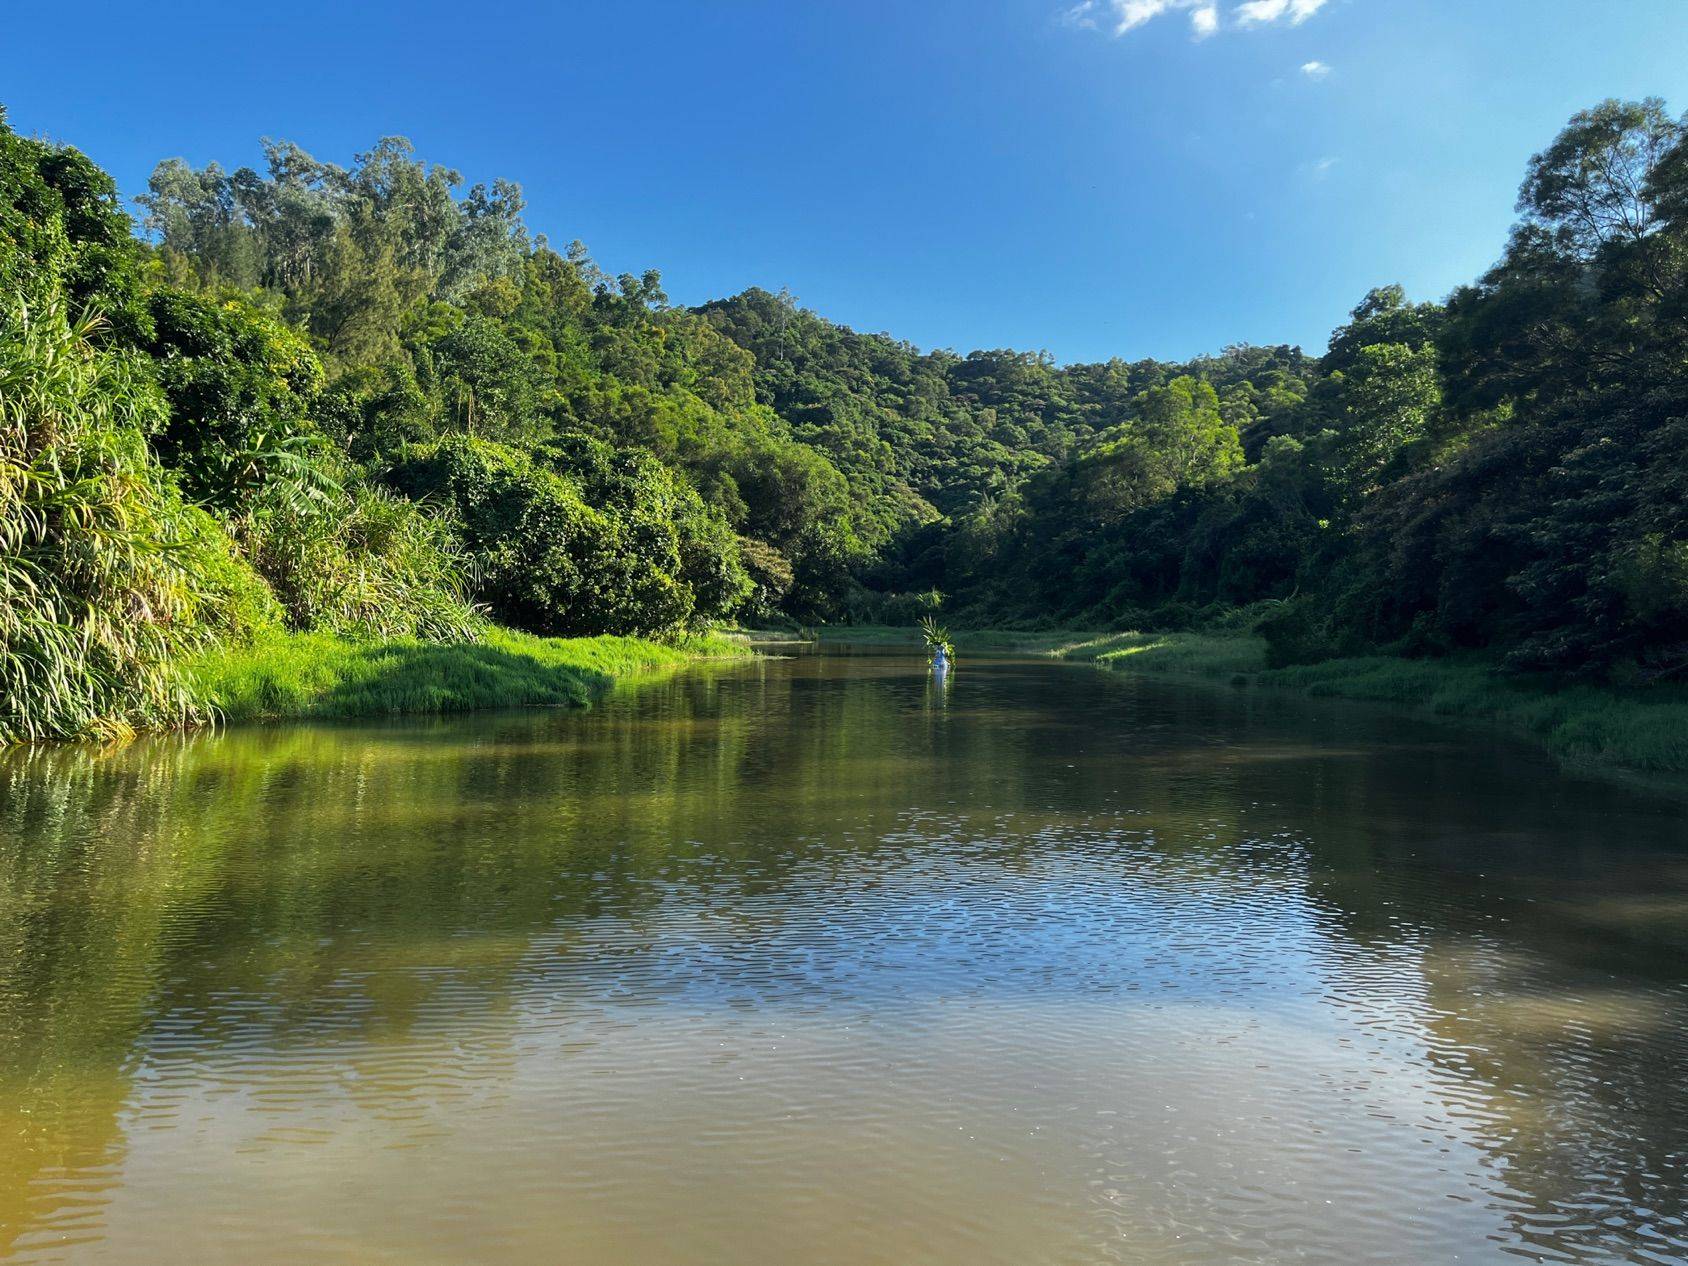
[1643,729]
[321,675]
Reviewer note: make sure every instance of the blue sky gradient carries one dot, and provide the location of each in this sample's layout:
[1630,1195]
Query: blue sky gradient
[1018,173]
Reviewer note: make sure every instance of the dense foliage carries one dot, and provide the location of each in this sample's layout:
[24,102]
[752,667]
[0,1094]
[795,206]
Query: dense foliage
[368,402]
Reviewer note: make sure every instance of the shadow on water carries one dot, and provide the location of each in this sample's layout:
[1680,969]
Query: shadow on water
[1209,943]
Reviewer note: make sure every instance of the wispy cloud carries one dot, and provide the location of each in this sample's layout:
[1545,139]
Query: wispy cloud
[1315,69]
[1082,14]
[1127,15]
[1206,16]
[1319,168]
[1259,12]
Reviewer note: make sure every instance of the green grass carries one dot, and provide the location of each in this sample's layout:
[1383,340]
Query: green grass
[1642,729]
[321,675]
[1205,655]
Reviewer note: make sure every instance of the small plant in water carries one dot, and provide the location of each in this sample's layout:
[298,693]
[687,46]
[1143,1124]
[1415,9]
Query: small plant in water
[937,640]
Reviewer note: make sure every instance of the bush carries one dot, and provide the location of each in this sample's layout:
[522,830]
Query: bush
[238,603]
[771,578]
[664,525]
[895,609]
[66,239]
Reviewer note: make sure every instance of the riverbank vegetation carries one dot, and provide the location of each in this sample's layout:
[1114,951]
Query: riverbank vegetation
[315,415]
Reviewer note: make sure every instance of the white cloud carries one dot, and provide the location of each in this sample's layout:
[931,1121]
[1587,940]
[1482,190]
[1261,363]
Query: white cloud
[1133,13]
[1315,69]
[1205,19]
[1321,168]
[1259,12]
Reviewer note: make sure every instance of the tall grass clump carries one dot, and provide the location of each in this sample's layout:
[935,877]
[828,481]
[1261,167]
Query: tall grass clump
[99,591]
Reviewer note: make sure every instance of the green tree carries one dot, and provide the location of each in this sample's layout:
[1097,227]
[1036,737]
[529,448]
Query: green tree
[1390,398]
[240,386]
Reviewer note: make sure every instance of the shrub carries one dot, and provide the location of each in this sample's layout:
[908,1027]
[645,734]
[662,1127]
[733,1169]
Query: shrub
[541,557]
[664,526]
[238,604]
[771,578]
[864,606]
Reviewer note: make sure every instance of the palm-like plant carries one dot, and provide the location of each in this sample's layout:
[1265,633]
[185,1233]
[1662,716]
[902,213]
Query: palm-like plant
[936,637]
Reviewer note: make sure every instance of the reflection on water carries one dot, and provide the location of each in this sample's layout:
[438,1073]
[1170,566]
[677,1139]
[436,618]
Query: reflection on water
[833,960]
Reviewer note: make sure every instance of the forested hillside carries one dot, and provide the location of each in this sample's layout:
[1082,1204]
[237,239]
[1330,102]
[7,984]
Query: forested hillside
[1506,471]
[369,401]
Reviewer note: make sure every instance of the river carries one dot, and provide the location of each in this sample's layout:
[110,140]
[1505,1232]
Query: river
[824,960]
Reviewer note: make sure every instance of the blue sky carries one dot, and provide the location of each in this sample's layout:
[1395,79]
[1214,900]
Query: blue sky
[1127,177]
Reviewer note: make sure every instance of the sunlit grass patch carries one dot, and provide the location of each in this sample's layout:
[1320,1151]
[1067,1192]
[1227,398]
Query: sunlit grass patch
[322,675]
[1197,653]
